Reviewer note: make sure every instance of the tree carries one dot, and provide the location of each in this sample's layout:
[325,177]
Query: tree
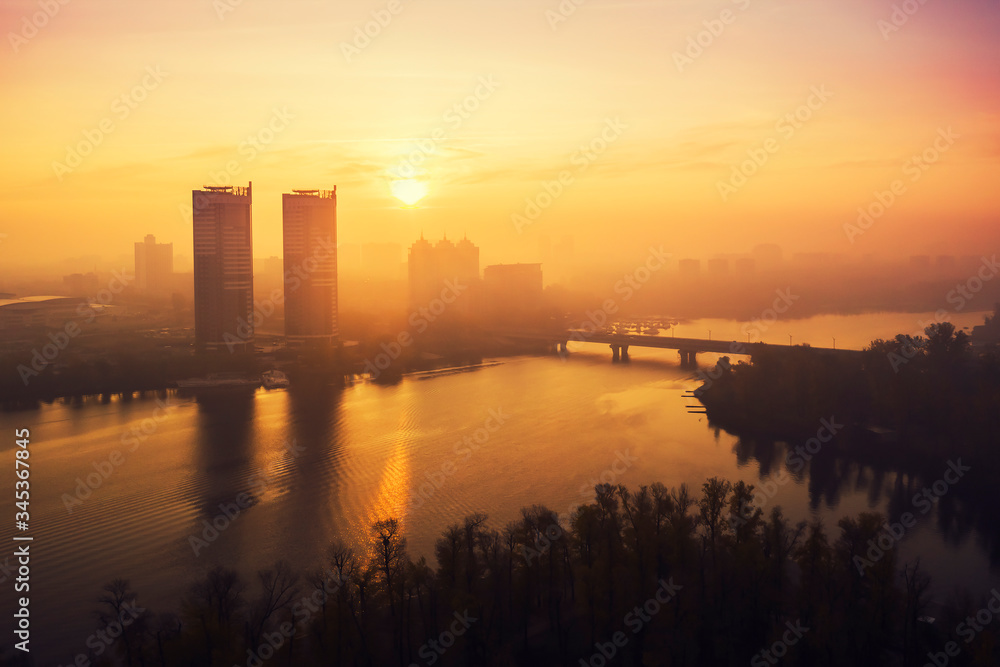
[944,344]
[118,608]
[279,589]
[389,565]
[711,506]
[212,606]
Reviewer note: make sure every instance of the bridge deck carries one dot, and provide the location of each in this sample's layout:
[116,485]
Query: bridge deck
[662,342]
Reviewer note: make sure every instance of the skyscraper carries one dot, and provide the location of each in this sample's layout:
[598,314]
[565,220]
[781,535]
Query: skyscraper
[429,266]
[223,268]
[154,266]
[309,234]
[513,292]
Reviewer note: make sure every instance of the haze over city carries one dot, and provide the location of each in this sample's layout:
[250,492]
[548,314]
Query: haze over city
[482,333]
[204,83]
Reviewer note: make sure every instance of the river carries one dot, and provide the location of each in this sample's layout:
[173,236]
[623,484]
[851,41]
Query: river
[304,468]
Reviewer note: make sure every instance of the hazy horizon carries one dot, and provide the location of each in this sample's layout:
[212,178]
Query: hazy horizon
[507,97]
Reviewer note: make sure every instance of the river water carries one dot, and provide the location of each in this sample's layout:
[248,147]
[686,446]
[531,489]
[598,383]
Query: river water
[305,468]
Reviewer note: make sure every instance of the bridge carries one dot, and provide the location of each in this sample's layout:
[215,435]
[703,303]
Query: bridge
[687,347]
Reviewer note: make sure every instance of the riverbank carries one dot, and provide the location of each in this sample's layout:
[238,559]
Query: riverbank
[125,371]
[913,408]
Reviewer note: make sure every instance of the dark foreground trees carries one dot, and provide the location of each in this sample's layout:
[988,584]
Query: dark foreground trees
[651,576]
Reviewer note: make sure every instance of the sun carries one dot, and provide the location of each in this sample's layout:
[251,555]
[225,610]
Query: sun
[408,190]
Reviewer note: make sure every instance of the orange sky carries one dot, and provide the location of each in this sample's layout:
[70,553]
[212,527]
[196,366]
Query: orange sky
[554,86]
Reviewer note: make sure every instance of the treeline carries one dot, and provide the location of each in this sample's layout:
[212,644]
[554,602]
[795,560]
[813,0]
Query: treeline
[651,576]
[45,371]
[26,377]
[934,392]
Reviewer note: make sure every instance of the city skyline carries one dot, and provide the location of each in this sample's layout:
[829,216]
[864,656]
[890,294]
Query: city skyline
[828,130]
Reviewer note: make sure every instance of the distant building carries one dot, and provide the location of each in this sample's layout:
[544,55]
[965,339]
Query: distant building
[154,266]
[745,265]
[268,266]
[689,267]
[309,235]
[817,260]
[989,331]
[348,259]
[718,266]
[945,262]
[81,284]
[223,267]
[430,267]
[767,256]
[512,292]
[466,259]
[268,280]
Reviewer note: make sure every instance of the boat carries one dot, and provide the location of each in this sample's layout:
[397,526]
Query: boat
[274,380]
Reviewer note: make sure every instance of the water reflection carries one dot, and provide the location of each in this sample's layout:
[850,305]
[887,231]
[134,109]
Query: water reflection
[314,455]
[223,448]
[856,464]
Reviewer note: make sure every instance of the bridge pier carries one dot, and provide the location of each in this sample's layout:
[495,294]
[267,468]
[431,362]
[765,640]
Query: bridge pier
[688,358]
[561,348]
[619,353]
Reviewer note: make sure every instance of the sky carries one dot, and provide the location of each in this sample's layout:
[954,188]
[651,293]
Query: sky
[703,127]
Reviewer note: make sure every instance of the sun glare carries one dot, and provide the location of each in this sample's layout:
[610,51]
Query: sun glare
[409,190]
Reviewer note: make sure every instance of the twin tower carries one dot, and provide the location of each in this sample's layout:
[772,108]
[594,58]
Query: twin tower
[225,312]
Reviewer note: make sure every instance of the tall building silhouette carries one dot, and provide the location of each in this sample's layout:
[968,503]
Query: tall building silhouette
[309,234]
[429,266]
[767,256]
[154,266]
[689,267]
[513,292]
[223,268]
